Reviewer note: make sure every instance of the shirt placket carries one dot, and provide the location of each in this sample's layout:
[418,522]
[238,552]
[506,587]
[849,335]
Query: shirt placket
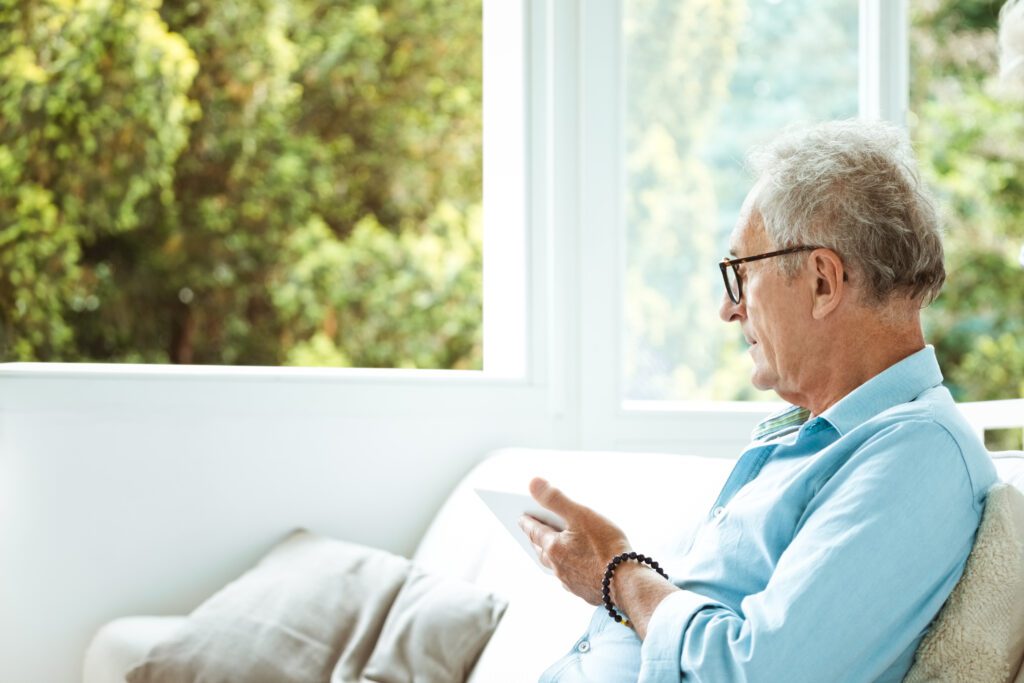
[747,468]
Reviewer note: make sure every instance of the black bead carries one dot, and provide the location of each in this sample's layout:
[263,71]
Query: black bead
[654,565]
[641,558]
[618,619]
[632,556]
[617,560]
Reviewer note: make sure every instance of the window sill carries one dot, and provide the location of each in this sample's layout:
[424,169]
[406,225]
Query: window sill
[131,371]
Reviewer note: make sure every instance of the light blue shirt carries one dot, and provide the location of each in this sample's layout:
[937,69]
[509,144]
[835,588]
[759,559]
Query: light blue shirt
[828,552]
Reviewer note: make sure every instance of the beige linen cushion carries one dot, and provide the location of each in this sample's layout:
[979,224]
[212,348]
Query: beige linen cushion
[319,610]
[434,632]
[979,633]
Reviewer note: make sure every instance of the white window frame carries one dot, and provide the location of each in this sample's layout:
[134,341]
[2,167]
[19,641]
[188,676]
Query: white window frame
[505,310]
[514,378]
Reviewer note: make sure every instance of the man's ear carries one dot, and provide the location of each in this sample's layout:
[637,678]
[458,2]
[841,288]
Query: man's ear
[830,282]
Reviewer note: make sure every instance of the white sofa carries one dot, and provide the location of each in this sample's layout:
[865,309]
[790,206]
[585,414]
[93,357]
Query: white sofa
[464,540]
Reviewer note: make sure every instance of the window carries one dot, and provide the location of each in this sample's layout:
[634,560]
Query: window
[291,182]
[704,81]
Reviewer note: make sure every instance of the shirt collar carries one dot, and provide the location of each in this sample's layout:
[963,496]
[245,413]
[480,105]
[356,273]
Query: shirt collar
[899,383]
[787,420]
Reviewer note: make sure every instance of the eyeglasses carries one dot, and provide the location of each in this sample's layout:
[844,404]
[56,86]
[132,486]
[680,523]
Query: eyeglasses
[731,269]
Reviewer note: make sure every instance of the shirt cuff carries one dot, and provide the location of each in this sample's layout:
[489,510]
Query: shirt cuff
[662,649]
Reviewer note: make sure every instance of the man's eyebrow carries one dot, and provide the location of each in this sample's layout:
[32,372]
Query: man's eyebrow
[732,252]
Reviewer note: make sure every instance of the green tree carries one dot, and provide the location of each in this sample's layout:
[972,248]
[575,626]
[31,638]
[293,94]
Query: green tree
[969,133]
[93,115]
[306,121]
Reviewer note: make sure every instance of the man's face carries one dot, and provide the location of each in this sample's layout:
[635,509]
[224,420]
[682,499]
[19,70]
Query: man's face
[774,312]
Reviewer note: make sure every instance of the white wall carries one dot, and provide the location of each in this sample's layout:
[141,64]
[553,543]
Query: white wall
[142,494]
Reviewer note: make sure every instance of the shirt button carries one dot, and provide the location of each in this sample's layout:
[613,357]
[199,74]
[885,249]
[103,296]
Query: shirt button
[718,511]
[584,646]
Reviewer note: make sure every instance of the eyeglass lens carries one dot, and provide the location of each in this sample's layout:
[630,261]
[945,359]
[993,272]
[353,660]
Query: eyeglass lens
[734,285]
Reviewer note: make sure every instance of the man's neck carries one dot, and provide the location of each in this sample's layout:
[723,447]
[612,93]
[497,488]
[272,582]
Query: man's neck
[854,360]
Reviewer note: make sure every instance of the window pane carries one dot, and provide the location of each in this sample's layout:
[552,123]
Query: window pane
[235,182]
[969,134]
[705,80]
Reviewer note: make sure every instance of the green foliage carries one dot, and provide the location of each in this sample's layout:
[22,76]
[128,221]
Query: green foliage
[969,134]
[93,114]
[381,291]
[283,126]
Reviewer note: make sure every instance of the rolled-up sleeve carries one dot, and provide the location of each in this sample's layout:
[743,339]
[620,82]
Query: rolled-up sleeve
[662,649]
[872,558]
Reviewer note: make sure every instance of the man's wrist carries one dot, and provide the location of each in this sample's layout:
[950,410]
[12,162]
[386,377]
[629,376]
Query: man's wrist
[630,579]
[636,590]
[624,574]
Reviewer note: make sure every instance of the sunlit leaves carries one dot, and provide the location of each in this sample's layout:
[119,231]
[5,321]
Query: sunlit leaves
[969,134]
[93,115]
[169,166]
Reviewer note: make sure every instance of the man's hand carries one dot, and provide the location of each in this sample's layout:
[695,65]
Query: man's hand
[579,554]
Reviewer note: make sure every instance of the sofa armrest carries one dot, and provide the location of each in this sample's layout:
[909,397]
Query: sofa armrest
[122,643]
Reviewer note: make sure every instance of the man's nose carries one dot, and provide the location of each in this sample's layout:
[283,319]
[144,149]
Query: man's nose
[729,311]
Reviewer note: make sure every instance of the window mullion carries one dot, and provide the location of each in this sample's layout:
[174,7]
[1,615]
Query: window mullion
[884,60]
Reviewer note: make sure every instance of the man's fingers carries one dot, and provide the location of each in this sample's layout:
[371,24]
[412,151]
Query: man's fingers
[542,556]
[541,537]
[539,533]
[553,499]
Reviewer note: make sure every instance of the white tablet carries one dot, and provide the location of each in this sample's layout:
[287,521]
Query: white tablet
[509,507]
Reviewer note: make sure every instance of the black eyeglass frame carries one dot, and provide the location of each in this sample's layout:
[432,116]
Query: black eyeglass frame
[735,263]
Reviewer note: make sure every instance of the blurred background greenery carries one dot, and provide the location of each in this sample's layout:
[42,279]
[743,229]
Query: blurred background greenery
[969,133]
[241,182]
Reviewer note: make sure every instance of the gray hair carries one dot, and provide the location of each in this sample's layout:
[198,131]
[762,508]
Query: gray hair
[853,186]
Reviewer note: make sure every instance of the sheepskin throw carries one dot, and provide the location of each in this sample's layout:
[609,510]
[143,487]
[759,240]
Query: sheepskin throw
[979,633]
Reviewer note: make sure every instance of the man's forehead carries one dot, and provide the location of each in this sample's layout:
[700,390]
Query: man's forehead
[748,222]
[748,233]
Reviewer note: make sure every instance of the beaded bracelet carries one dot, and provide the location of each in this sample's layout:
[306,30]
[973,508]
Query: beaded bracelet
[607,581]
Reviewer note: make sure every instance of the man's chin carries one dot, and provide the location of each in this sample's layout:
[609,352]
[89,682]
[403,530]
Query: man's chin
[761,382]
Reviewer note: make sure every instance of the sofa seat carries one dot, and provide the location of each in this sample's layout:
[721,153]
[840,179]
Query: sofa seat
[657,498]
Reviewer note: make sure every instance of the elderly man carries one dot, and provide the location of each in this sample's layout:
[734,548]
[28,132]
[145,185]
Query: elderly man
[847,521]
